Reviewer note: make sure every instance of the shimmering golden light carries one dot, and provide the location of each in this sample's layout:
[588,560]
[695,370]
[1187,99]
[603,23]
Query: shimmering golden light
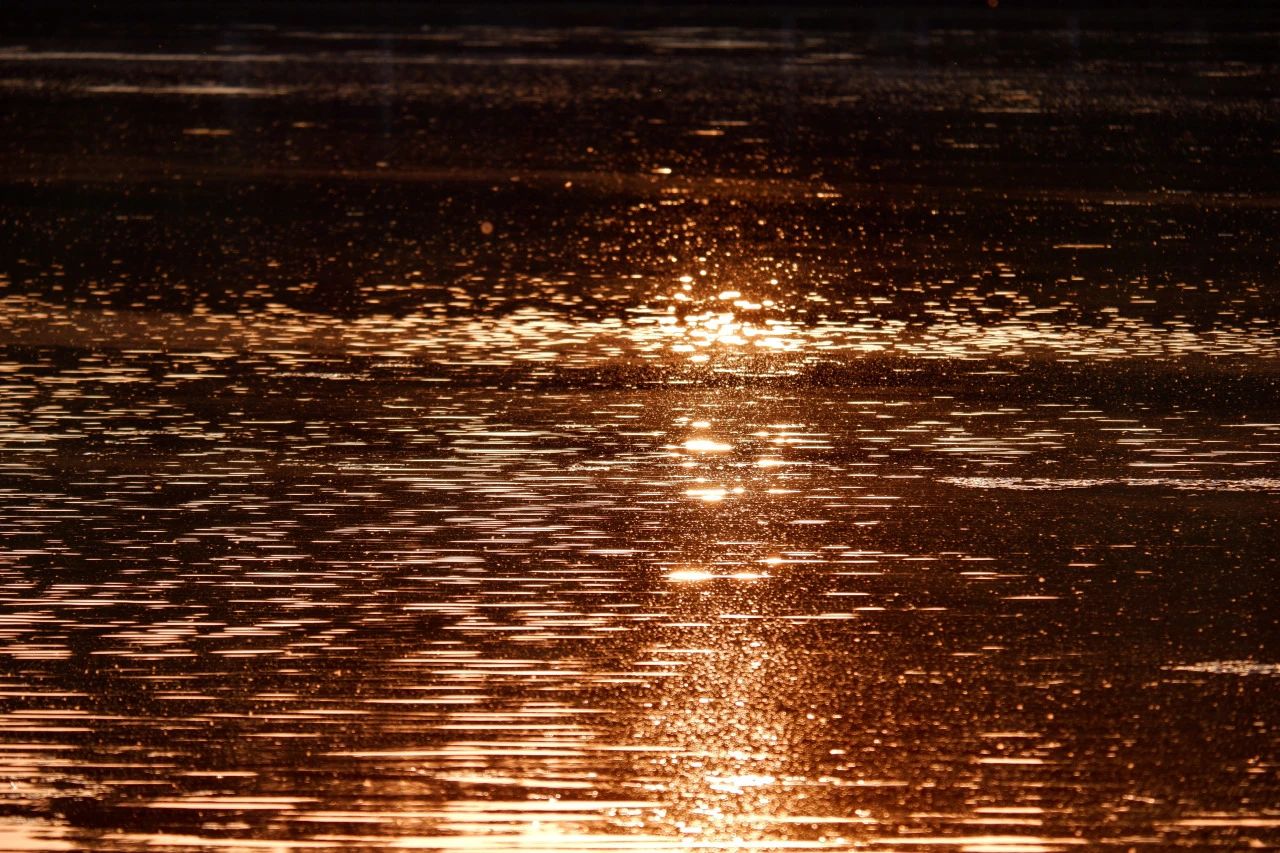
[687,575]
[710,495]
[736,784]
[697,575]
[706,445]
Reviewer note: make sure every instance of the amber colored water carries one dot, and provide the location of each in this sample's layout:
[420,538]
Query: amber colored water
[504,438]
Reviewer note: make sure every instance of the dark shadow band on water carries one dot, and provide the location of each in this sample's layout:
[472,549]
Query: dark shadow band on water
[64,15]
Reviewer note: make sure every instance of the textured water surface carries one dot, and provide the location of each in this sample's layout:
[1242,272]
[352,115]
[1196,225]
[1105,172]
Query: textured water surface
[656,439]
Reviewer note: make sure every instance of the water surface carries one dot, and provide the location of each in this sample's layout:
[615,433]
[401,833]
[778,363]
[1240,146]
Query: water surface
[681,438]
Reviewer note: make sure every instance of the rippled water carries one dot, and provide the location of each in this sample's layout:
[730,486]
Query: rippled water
[705,439]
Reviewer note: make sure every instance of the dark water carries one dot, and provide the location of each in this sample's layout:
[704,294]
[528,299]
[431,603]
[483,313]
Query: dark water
[499,438]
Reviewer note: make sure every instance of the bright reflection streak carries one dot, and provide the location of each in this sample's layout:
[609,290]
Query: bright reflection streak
[690,575]
[696,575]
[708,495]
[531,336]
[706,445]
[736,784]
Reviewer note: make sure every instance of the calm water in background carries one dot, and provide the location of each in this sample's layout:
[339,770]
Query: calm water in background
[496,438]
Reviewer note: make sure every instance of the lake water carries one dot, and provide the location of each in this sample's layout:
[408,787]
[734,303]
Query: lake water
[492,438]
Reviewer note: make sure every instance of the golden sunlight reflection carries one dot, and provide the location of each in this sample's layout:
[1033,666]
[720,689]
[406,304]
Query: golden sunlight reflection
[537,336]
[690,575]
[700,333]
[592,439]
[697,575]
[732,778]
[729,777]
[706,445]
[709,494]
